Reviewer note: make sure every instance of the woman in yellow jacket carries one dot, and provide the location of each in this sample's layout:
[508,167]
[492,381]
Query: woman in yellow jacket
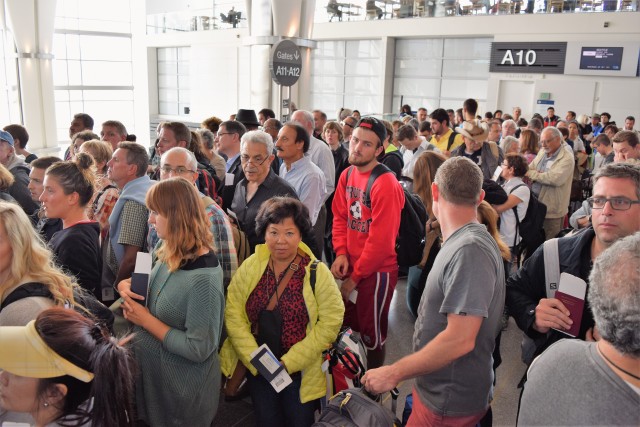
[311,319]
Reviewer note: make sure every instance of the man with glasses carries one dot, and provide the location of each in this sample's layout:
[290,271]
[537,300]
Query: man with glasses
[615,208]
[259,184]
[551,172]
[180,162]
[228,140]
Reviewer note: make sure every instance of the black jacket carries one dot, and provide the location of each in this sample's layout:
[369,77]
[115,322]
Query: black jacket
[527,287]
[229,190]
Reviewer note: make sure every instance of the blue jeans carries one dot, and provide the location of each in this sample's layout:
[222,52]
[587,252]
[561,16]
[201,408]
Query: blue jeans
[280,409]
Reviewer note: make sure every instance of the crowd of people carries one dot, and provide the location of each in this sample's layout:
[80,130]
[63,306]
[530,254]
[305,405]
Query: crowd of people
[282,234]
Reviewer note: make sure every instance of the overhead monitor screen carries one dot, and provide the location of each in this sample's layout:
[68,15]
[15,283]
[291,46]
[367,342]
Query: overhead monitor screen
[601,58]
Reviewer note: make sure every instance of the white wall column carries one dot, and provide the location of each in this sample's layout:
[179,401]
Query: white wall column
[32,24]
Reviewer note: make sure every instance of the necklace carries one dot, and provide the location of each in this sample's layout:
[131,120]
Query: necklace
[616,366]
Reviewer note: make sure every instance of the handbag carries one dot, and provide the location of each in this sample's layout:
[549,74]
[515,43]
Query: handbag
[269,326]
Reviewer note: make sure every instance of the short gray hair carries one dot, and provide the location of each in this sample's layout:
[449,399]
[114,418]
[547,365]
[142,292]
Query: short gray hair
[207,137]
[554,131]
[192,163]
[507,142]
[614,294]
[509,123]
[259,137]
[459,181]
[343,113]
[308,117]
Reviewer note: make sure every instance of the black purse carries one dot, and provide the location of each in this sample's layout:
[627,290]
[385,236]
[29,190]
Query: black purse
[269,327]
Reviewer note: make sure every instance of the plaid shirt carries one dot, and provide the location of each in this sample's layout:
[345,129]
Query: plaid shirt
[222,239]
[132,231]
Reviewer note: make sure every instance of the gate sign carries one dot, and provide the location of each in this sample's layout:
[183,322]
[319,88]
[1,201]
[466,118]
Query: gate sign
[285,63]
[528,57]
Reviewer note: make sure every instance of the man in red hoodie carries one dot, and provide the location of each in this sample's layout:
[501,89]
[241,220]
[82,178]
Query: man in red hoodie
[365,228]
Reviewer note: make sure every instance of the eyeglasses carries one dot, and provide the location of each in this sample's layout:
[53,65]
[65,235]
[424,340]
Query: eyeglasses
[257,161]
[219,134]
[179,170]
[617,203]
[347,124]
[546,141]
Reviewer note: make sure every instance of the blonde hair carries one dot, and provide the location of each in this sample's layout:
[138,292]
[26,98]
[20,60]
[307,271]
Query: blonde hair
[489,217]
[6,178]
[31,261]
[189,230]
[101,151]
[424,173]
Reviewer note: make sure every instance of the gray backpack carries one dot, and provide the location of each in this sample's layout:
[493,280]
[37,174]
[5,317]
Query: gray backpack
[529,346]
[354,408]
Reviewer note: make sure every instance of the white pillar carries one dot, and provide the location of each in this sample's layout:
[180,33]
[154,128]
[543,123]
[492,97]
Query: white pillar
[32,23]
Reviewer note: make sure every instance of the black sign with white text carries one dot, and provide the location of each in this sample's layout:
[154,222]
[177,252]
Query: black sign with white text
[285,63]
[528,57]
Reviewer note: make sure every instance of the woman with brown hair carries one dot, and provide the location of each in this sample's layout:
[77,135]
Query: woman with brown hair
[423,174]
[64,369]
[333,135]
[68,189]
[529,144]
[179,319]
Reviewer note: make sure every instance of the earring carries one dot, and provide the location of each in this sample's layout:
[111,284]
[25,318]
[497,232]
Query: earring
[46,404]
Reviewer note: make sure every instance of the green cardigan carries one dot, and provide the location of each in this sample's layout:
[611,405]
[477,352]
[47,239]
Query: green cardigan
[325,308]
[179,379]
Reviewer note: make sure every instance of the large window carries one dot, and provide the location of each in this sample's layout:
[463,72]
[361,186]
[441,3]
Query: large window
[440,73]
[346,74]
[9,88]
[173,81]
[92,69]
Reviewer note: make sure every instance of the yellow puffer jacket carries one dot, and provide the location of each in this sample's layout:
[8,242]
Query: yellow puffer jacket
[326,312]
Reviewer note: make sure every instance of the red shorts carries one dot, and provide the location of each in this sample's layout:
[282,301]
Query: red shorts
[422,416]
[369,315]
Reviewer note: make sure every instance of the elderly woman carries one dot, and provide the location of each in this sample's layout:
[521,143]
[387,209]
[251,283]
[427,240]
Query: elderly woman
[510,145]
[179,319]
[64,369]
[68,189]
[333,135]
[106,193]
[260,183]
[311,315]
[24,259]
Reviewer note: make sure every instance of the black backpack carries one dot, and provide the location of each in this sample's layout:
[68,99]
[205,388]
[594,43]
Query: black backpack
[413,217]
[94,308]
[530,228]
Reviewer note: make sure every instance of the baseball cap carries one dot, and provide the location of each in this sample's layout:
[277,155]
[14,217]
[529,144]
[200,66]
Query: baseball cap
[374,125]
[27,355]
[6,136]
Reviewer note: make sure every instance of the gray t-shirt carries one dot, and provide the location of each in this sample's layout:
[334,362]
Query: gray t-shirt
[571,385]
[467,278]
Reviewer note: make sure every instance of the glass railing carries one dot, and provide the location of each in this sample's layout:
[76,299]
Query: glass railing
[196,20]
[360,10]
